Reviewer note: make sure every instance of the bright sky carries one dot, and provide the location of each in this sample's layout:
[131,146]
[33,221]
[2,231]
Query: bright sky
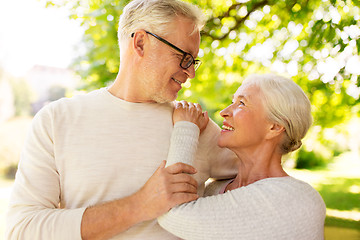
[32,34]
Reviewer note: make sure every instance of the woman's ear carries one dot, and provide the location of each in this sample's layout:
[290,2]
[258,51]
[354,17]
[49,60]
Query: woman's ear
[274,130]
[138,41]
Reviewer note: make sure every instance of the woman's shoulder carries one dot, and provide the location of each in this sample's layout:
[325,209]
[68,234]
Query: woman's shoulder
[287,185]
[280,191]
[289,193]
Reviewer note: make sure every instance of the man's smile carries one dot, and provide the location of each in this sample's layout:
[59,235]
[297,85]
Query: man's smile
[177,81]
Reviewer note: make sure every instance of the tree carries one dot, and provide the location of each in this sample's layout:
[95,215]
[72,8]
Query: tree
[316,42]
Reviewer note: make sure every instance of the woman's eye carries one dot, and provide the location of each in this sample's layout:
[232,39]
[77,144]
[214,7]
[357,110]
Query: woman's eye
[239,103]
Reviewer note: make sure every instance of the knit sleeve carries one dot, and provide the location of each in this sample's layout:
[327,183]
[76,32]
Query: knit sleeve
[183,143]
[272,209]
[34,211]
[205,218]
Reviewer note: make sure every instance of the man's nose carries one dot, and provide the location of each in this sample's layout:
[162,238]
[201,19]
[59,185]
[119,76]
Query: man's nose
[190,71]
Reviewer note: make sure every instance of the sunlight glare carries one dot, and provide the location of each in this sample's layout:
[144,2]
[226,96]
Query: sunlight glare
[35,35]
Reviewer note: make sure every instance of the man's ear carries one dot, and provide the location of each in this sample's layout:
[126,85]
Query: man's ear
[138,42]
[274,130]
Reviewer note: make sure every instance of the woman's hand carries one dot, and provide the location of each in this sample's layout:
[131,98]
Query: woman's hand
[191,112]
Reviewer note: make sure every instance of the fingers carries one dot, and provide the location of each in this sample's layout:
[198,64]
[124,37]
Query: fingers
[204,121]
[162,165]
[180,198]
[194,107]
[166,188]
[188,105]
[198,107]
[187,111]
[184,178]
[206,115]
[183,188]
[179,173]
[184,103]
[180,179]
[181,168]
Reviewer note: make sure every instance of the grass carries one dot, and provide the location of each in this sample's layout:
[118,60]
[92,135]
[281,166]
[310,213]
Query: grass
[339,184]
[341,193]
[341,196]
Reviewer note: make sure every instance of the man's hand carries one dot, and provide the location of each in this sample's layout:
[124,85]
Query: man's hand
[167,188]
[192,112]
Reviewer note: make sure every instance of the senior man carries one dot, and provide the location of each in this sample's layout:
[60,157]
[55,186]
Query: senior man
[90,166]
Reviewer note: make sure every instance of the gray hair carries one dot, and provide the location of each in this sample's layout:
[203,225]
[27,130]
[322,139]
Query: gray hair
[156,16]
[286,104]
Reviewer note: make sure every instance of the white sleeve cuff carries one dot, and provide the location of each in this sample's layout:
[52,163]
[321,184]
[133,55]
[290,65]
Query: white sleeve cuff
[183,143]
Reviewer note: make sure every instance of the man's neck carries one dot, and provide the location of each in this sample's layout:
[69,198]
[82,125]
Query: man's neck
[124,88]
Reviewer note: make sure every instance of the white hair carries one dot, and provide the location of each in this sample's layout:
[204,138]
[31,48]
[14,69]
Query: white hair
[156,16]
[286,104]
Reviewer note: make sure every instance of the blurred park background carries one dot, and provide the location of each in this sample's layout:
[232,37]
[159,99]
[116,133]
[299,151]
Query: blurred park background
[54,49]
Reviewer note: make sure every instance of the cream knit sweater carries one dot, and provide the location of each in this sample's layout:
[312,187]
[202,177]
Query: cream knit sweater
[92,149]
[281,208]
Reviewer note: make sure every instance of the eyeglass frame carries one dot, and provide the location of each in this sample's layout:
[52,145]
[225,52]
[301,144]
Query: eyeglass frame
[196,62]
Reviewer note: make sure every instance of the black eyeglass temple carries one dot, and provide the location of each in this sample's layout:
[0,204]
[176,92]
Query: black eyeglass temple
[173,46]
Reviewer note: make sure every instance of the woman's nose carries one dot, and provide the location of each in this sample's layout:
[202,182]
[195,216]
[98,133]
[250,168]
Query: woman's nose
[225,112]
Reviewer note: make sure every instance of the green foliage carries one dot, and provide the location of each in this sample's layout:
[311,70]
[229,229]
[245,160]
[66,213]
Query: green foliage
[56,92]
[23,97]
[309,160]
[99,65]
[10,171]
[312,41]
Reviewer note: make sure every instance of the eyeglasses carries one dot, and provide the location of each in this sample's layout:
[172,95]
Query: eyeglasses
[187,59]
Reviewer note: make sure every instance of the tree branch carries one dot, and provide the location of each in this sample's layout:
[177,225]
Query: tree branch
[239,21]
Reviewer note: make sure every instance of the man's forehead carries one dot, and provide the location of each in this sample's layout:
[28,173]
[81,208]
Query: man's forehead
[187,35]
[193,49]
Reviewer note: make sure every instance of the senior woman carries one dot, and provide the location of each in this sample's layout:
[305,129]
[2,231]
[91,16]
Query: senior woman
[267,119]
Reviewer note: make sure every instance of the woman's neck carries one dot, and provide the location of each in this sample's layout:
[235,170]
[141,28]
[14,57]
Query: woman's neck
[256,165]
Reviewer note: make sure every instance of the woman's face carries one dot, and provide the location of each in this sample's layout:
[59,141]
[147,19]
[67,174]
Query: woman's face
[245,124]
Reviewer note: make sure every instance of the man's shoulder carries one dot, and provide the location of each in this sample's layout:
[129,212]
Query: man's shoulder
[67,105]
[87,97]
[79,99]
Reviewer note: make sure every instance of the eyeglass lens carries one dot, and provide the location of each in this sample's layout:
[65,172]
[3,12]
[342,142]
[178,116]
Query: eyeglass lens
[188,60]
